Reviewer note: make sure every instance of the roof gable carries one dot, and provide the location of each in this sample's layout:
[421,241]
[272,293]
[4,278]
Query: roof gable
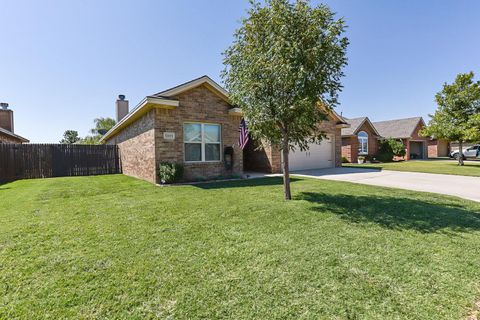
[356,124]
[398,128]
[166,99]
[202,81]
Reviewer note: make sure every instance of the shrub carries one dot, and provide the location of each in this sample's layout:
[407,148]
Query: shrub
[345,160]
[170,172]
[390,148]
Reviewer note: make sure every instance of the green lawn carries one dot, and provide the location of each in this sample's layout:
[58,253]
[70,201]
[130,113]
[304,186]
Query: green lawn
[112,247]
[471,168]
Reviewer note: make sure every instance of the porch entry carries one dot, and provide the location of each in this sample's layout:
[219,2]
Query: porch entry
[417,150]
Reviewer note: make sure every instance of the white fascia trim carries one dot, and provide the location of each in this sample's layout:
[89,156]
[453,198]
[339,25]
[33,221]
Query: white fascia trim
[137,109]
[194,84]
[161,101]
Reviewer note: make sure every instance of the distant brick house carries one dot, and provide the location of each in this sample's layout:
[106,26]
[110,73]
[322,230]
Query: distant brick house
[194,124]
[405,130]
[360,139]
[7,134]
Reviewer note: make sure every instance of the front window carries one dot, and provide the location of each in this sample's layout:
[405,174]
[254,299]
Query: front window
[202,142]
[362,143]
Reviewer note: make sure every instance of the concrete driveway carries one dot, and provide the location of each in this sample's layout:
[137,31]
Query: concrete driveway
[460,186]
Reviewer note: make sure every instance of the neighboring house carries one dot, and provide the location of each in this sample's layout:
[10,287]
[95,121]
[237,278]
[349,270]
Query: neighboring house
[360,139]
[194,124]
[408,131]
[7,134]
[363,136]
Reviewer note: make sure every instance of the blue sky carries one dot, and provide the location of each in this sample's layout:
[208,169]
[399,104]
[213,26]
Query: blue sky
[63,63]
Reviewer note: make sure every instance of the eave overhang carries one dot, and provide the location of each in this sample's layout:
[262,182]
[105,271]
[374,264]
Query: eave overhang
[147,104]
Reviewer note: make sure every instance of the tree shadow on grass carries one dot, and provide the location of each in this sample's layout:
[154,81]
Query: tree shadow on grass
[3,187]
[397,213]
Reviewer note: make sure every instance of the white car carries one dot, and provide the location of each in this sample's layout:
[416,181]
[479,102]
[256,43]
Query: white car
[472,152]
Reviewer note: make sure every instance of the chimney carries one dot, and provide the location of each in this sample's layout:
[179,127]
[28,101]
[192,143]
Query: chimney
[6,117]
[122,107]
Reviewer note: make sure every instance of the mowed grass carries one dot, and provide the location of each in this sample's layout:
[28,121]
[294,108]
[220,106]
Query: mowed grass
[471,168]
[113,247]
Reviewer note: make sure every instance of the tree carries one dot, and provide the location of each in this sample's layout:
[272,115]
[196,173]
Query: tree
[390,148]
[457,117]
[285,59]
[102,126]
[70,137]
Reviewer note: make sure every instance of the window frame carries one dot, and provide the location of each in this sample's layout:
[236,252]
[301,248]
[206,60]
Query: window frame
[360,144]
[202,142]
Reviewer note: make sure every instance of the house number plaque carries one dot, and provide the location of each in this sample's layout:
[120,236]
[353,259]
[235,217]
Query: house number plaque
[169,135]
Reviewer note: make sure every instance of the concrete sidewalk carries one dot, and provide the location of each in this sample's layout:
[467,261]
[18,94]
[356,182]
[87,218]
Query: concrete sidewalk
[460,186]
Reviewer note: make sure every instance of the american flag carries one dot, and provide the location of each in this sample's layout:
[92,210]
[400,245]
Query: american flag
[243,140]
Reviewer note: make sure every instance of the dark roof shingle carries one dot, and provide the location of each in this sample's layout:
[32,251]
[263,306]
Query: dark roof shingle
[354,123]
[398,128]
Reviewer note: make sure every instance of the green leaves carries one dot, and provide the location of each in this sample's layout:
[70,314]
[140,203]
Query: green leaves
[70,137]
[285,58]
[458,115]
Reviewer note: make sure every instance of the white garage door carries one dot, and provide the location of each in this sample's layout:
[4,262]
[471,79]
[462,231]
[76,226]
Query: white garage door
[317,157]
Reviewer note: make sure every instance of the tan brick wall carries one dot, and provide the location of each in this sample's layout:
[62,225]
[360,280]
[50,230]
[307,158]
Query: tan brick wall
[8,139]
[136,144]
[198,105]
[347,151]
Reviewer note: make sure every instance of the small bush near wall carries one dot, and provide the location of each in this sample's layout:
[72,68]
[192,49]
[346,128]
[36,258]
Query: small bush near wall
[390,148]
[345,160]
[170,172]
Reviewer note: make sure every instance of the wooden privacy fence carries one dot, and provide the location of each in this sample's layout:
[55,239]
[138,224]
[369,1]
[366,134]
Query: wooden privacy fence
[30,161]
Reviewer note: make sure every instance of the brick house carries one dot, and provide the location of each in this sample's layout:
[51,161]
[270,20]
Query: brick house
[360,139]
[7,134]
[405,130]
[195,125]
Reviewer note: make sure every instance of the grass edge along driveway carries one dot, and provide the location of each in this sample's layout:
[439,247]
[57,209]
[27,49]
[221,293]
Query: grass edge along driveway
[116,247]
[471,168]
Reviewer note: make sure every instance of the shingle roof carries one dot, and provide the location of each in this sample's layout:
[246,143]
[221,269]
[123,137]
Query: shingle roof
[354,123]
[398,128]
[13,135]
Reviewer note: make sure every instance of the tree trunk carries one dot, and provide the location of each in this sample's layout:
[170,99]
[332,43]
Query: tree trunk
[460,153]
[286,173]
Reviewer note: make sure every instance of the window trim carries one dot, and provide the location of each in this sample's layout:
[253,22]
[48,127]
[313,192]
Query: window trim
[360,144]
[202,143]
